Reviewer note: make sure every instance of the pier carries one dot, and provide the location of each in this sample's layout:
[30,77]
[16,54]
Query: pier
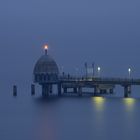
[100,85]
[46,73]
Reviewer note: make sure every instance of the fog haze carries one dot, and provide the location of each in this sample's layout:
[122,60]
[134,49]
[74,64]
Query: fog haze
[77,31]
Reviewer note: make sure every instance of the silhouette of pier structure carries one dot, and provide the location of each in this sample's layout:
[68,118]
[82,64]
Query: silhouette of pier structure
[46,73]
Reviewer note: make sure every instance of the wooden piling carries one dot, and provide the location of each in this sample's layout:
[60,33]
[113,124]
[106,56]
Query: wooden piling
[32,89]
[14,90]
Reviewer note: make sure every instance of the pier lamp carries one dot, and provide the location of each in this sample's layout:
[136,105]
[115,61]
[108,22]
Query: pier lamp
[46,48]
[129,72]
[99,71]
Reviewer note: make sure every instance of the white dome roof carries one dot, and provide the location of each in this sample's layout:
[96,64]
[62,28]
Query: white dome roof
[46,65]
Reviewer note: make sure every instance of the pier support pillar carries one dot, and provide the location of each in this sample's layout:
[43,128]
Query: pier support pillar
[96,93]
[59,88]
[45,90]
[50,88]
[111,91]
[80,91]
[75,90]
[127,91]
[65,90]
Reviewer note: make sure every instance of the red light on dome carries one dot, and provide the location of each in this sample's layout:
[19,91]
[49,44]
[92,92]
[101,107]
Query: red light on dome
[46,47]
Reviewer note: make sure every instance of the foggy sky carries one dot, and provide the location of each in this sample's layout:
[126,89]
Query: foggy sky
[106,32]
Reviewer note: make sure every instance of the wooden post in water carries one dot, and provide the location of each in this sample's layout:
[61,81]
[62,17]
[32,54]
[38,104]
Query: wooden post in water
[32,89]
[14,90]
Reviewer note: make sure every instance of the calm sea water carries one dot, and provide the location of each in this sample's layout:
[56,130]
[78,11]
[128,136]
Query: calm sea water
[69,118]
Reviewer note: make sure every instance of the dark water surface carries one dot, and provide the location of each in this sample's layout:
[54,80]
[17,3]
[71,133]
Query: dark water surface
[69,118]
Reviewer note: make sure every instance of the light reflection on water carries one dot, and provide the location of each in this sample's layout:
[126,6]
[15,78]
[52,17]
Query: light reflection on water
[99,103]
[129,103]
[90,118]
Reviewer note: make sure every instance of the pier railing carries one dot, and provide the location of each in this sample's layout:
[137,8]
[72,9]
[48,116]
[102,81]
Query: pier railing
[103,80]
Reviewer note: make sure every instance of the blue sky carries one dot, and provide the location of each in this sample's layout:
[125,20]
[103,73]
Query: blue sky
[104,31]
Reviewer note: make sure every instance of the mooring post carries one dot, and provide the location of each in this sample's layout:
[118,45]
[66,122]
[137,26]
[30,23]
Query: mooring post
[14,90]
[32,89]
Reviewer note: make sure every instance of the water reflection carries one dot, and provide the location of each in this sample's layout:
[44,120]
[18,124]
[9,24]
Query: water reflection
[87,118]
[99,103]
[46,125]
[129,103]
[46,129]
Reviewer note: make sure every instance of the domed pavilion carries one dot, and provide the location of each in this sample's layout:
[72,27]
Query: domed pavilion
[46,73]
